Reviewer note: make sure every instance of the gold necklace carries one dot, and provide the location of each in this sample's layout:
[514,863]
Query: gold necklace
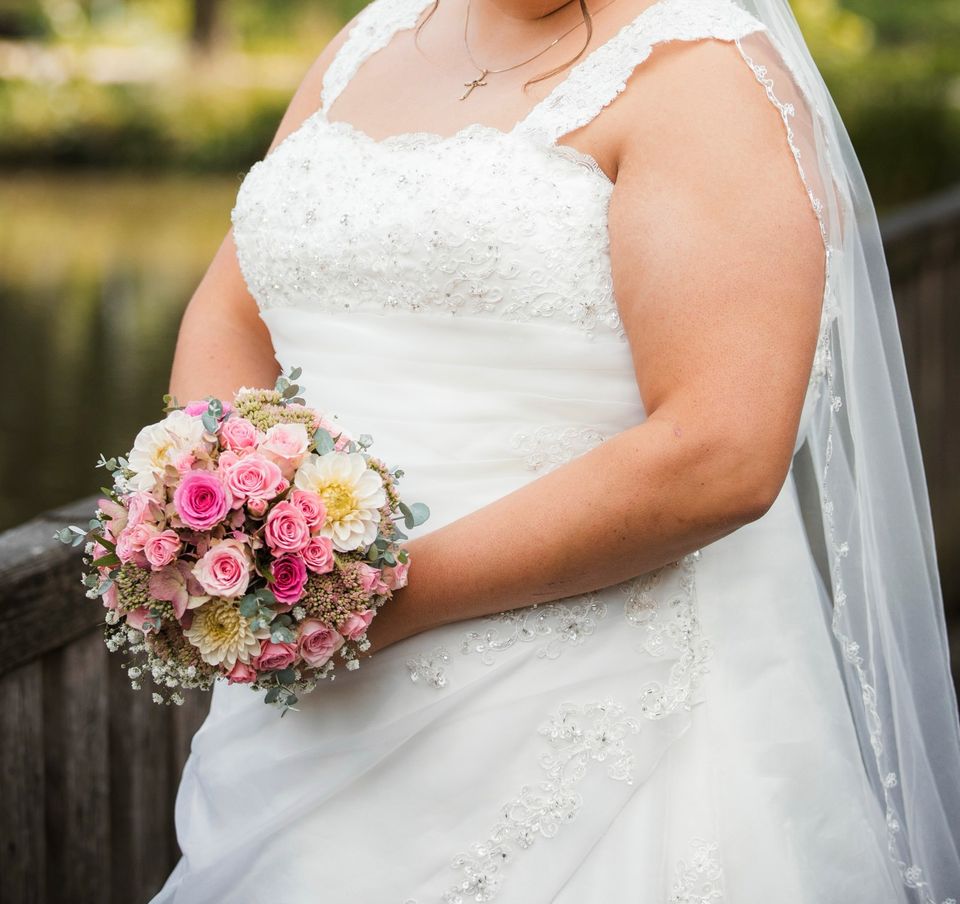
[485,71]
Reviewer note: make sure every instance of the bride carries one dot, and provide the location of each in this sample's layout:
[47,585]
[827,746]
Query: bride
[605,280]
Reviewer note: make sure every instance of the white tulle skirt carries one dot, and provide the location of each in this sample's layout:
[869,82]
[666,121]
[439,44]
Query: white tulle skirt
[683,737]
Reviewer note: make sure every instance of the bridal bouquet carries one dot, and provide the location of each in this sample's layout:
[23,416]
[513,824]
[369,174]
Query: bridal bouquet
[250,540]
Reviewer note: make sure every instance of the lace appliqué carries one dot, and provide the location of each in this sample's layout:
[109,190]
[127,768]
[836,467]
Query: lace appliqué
[562,623]
[601,76]
[579,735]
[663,605]
[428,668]
[552,445]
[699,878]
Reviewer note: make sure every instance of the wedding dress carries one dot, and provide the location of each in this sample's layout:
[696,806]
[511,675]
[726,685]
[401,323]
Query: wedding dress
[682,737]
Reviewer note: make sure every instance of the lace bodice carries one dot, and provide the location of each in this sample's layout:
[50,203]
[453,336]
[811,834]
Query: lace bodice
[483,223]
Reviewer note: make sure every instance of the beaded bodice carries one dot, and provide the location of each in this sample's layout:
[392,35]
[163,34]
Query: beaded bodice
[483,223]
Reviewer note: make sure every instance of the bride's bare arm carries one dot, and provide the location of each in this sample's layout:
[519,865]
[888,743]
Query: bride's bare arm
[222,343]
[718,268]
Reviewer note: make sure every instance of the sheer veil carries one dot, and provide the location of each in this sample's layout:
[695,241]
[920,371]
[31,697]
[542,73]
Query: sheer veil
[863,490]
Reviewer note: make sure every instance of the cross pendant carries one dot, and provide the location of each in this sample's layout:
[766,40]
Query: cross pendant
[476,83]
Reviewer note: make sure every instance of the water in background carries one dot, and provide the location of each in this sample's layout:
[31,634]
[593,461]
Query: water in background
[95,272]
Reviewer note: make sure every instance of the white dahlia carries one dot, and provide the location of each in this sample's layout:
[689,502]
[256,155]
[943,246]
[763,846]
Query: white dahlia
[223,635]
[352,493]
[158,445]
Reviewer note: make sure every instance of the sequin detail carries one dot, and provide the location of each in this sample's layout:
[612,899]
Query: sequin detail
[699,877]
[552,444]
[563,624]
[663,606]
[428,668]
[579,735]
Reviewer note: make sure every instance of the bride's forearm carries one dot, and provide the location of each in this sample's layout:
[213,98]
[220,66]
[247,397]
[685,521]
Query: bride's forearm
[638,501]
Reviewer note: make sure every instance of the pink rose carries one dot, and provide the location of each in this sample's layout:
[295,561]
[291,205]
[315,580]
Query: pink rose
[275,656]
[355,625]
[239,434]
[287,445]
[131,541]
[318,554]
[286,529]
[162,548]
[371,579]
[201,499]
[225,569]
[396,577]
[318,642]
[289,578]
[252,477]
[313,507]
[241,673]
[258,507]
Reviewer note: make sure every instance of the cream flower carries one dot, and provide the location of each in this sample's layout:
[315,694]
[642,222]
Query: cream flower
[222,635]
[352,493]
[158,445]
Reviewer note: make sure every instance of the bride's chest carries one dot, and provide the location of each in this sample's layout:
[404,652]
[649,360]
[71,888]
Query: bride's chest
[482,223]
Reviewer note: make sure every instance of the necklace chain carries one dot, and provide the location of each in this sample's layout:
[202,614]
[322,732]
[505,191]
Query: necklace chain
[485,71]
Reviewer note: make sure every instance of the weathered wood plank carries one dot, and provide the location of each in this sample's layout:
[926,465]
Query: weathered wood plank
[22,787]
[76,760]
[40,577]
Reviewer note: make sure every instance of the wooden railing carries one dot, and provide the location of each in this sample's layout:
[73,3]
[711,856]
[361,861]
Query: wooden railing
[89,767]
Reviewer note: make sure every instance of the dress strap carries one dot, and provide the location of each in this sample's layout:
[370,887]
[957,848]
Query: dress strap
[602,75]
[371,31]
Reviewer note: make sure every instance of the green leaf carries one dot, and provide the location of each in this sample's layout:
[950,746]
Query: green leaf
[295,373]
[215,407]
[389,558]
[287,675]
[265,595]
[280,634]
[419,513]
[272,695]
[323,441]
[249,606]
[109,559]
[209,422]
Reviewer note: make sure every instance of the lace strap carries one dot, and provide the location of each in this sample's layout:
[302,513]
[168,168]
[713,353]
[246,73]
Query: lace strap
[371,31]
[602,74]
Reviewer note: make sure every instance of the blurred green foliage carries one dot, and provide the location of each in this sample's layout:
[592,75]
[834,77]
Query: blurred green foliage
[138,83]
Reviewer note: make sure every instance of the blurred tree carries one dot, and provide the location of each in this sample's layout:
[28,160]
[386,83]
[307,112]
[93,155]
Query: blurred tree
[206,22]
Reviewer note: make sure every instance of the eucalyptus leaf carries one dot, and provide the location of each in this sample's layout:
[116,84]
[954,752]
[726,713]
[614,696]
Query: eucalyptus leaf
[420,513]
[323,441]
[280,634]
[295,373]
[389,558]
[287,675]
[249,606]
[272,695]
[265,595]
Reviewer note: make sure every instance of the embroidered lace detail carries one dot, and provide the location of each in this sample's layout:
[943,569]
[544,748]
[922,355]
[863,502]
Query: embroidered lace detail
[564,624]
[602,75]
[371,31]
[553,444]
[428,667]
[505,227]
[662,604]
[700,877]
[579,735]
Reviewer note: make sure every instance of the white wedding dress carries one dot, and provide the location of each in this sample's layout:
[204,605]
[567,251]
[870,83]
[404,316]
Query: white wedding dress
[682,737]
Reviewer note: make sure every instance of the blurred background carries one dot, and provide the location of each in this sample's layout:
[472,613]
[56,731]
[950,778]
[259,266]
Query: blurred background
[126,127]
